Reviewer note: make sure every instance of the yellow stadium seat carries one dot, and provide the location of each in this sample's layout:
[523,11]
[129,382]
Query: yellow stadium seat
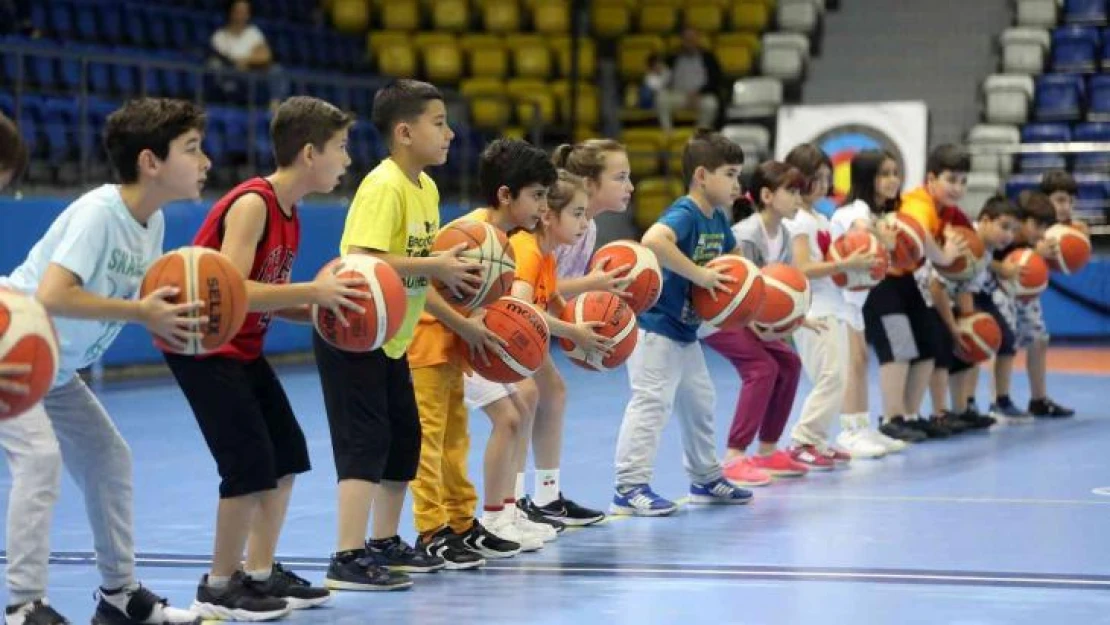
[631,112]
[531,57]
[634,53]
[706,17]
[401,15]
[674,42]
[442,62]
[587,56]
[431,37]
[645,146]
[489,107]
[658,18]
[749,16]
[735,59]
[532,97]
[398,60]
[652,197]
[501,16]
[551,17]
[609,20]
[589,105]
[378,39]
[486,56]
[450,15]
[748,40]
[351,17]
[675,145]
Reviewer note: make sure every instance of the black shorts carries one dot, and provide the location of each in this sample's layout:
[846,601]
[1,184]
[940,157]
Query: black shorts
[371,405]
[896,321]
[984,302]
[245,418]
[945,346]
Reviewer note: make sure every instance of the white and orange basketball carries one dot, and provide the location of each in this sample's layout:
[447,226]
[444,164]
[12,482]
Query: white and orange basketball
[968,264]
[847,245]
[202,274]
[981,336]
[647,278]
[909,240]
[1032,280]
[27,337]
[786,300]
[1075,248]
[384,309]
[488,247]
[620,328]
[740,306]
[523,327]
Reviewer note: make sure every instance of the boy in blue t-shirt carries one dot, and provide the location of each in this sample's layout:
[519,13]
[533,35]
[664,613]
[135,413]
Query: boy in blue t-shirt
[667,370]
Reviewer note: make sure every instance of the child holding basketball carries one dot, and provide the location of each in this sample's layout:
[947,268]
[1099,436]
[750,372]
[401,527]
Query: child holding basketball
[372,415]
[667,369]
[75,271]
[237,399]
[13,160]
[1060,187]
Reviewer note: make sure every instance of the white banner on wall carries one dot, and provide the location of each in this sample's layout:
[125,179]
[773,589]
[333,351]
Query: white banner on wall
[842,130]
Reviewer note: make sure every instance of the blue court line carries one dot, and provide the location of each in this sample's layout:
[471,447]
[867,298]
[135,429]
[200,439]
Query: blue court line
[683,571]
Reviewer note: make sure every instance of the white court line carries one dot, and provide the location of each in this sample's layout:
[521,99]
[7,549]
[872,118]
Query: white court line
[909,498]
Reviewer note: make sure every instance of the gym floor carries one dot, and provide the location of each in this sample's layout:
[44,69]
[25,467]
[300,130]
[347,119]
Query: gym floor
[1004,526]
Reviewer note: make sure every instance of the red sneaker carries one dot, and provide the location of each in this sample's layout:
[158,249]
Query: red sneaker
[742,472]
[838,456]
[780,464]
[811,458]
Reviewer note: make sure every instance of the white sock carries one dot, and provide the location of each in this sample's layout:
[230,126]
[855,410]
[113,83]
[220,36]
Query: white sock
[862,421]
[260,576]
[547,486]
[518,491]
[118,598]
[214,581]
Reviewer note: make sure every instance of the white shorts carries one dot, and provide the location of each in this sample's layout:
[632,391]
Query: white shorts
[851,315]
[479,392]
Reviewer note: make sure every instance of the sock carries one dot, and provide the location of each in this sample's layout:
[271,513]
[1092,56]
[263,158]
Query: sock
[493,510]
[217,582]
[547,486]
[260,576]
[119,597]
[518,491]
[348,556]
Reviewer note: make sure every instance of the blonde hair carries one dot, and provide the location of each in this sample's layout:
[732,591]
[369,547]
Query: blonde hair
[585,159]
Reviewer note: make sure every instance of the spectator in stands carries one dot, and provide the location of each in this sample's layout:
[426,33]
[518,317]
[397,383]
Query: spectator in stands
[15,18]
[657,78]
[695,75]
[240,45]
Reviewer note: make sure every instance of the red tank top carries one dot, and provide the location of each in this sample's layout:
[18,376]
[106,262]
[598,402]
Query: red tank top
[273,258]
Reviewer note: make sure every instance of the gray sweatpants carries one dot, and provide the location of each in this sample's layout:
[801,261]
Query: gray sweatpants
[667,376]
[68,427]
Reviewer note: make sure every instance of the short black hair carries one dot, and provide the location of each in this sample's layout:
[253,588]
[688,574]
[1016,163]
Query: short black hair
[400,101]
[948,157]
[303,120]
[1058,180]
[1036,206]
[708,149]
[147,124]
[13,151]
[515,164]
[1000,206]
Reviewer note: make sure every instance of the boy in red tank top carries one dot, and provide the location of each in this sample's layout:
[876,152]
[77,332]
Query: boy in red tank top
[236,397]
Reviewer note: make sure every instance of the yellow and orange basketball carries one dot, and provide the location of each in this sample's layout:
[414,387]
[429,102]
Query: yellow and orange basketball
[620,328]
[1075,248]
[848,244]
[1032,280]
[786,300]
[523,327]
[384,309]
[733,309]
[486,246]
[647,278]
[970,262]
[909,240]
[27,337]
[981,336]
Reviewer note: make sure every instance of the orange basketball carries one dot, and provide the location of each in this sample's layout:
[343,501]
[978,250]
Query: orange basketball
[1034,276]
[786,299]
[525,330]
[487,246]
[202,274]
[27,337]
[982,336]
[620,327]
[970,263]
[1075,248]
[384,309]
[731,309]
[647,278]
[909,240]
[847,245]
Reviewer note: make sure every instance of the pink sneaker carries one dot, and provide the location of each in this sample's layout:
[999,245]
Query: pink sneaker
[780,464]
[811,458]
[838,456]
[742,472]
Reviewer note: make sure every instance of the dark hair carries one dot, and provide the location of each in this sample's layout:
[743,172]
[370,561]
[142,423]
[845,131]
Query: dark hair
[948,157]
[514,164]
[13,151]
[808,159]
[585,159]
[301,121]
[562,192]
[865,167]
[400,101]
[708,149]
[230,4]
[1058,180]
[147,124]
[1000,206]
[772,175]
[1036,206]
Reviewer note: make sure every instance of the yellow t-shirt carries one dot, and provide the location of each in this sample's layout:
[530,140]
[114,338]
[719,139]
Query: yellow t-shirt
[534,267]
[921,206]
[392,214]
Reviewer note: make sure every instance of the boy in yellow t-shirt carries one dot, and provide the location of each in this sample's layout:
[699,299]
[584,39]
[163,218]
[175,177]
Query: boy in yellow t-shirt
[375,429]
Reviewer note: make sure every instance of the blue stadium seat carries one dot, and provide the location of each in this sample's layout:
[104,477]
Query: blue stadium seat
[263,153]
[1092,131]
[1075,49]
[1094,191]
[58,143]
[1045,133]
[1085,12]
[61,111]
[111,24]
[29,129]
[213,146]
[134,25]
[86,24]
[7,105]
[157,27]
[100,78]
[1092,161]
[61,19]
[1099,108]
[1022,182]
[1057,97]
[1040,163]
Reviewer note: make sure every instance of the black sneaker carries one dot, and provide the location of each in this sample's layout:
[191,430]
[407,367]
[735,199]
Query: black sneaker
[448,546]
[897,428]
[399,556]
[949,420]
[1048,408]
[356,570]
[143,606]
[484,543]
[33,613]
[535,515]
[976,420]
[932,428]
[567,512]
[294,589]
[243,599]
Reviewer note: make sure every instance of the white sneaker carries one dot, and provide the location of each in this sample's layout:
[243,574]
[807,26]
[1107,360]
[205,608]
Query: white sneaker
[542,531]
[892,445]
[504,527]
[860,445]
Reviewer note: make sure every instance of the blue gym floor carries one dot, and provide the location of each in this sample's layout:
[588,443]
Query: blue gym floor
[997,527]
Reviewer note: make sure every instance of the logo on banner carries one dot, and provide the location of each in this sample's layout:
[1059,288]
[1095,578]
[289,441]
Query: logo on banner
[843,142]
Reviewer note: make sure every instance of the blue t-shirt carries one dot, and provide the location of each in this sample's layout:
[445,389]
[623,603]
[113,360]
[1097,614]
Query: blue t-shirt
[701,239]
[98,240]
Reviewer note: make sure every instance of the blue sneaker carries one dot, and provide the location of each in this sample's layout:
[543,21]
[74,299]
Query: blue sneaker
[1005,411]
[719,491]
[640,500]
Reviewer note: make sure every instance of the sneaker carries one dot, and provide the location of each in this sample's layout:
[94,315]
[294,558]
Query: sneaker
[719,491]
[567,512]
[504,526]
[535,515]
[892,445]
[485,543]
[33,613]
[542,531]
[142,606]
[294,589]
[780,464]
[897,428]
[839,457]
[860,444]
[243,599]
[448,546]
[1048,408]
[976,420]
[948,419]
[1006,412]
[742,472]
[397,555]
[932,428]
[811,458]
[357,570]
[640,500]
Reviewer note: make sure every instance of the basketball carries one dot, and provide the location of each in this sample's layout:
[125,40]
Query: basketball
[27,337]
[202,274]
[969,263]
[620,327]
[486,246]
[1075,249]
[523,327]
[1033,278]
[647,278]
[786,299]
[909,240]
[981,335]
[731,309]
[848,244]
[384,309]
